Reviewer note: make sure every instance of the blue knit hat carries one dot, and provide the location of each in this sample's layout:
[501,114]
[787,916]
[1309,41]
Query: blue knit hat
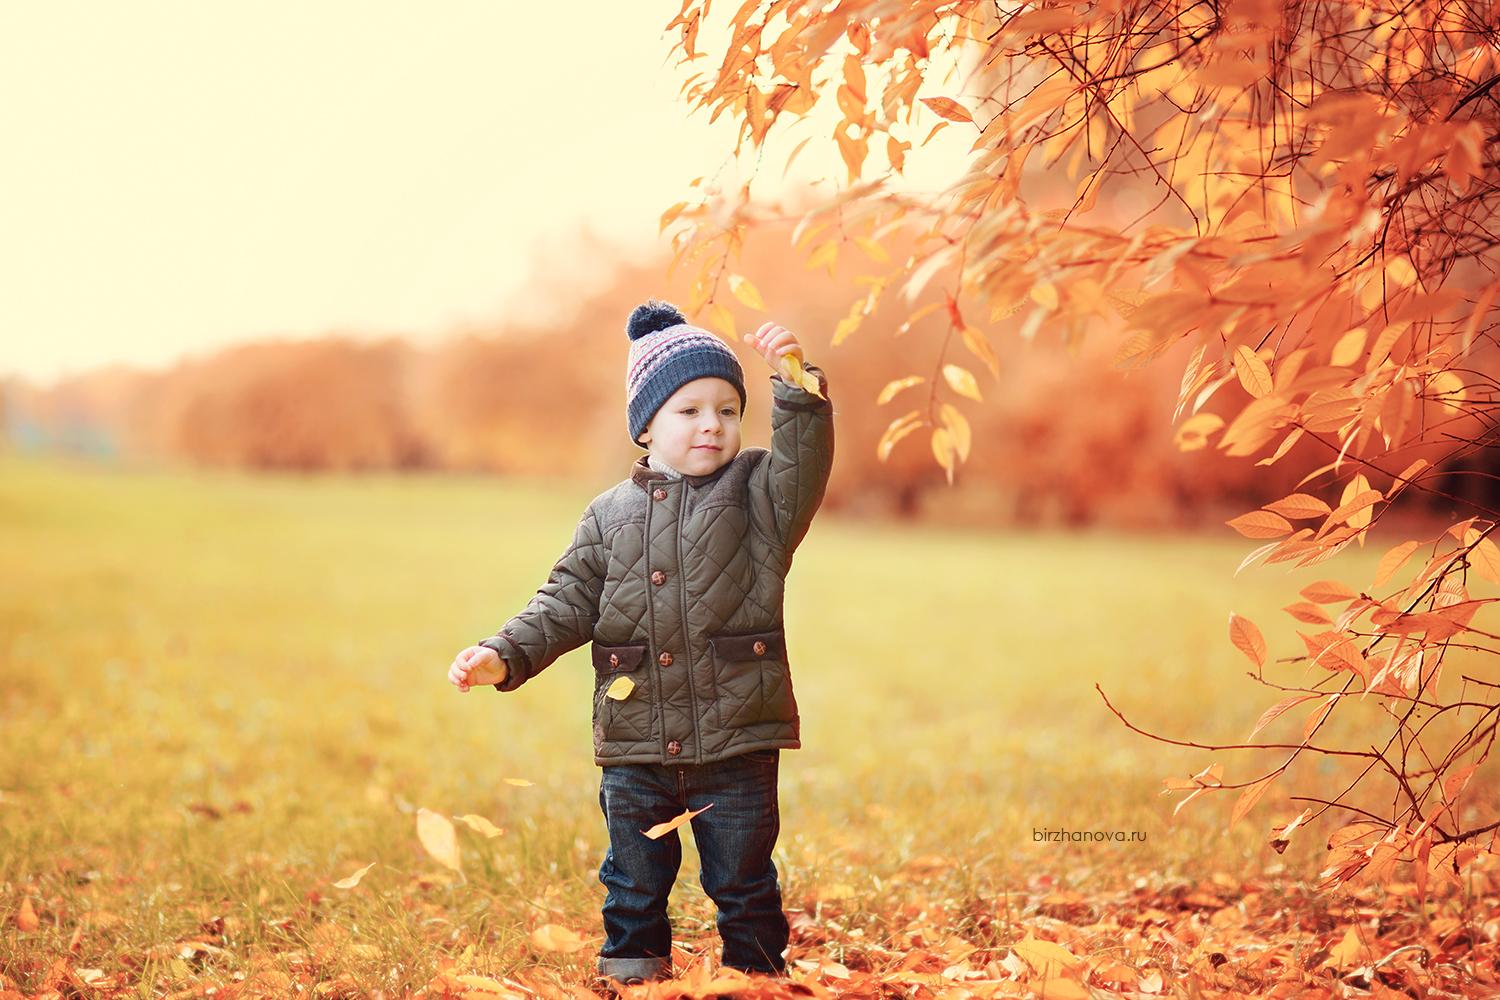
[667,352]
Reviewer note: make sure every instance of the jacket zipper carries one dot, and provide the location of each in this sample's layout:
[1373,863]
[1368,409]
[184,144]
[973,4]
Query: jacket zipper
[687,637]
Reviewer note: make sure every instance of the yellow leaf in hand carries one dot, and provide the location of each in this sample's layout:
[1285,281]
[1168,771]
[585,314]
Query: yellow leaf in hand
[481,825]
[674,822]
[792,371]
[353,880]
[436,833]
[620,689]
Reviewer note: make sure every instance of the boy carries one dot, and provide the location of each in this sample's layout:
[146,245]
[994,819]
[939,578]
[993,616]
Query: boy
[676,576]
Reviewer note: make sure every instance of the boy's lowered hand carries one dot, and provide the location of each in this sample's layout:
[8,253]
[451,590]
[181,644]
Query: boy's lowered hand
[475,666]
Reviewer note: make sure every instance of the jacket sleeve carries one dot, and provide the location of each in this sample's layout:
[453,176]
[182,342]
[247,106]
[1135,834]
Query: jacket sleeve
[561,616]
[794,476]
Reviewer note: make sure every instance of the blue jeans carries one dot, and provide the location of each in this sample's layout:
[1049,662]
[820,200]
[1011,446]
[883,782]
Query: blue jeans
[734,840]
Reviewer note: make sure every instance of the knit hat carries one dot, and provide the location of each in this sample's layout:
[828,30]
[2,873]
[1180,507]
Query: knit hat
[667,352]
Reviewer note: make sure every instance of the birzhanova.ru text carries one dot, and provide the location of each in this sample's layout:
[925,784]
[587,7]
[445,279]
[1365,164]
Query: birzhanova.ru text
[1043,835]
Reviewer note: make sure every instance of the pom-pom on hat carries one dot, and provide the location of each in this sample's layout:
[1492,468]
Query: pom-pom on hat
[667,352]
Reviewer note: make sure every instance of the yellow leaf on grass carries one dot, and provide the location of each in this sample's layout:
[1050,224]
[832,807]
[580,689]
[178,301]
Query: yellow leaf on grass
[438,838]
[555,937]
[353,880]
[479,824]
[1046,958]
[620,688]
[673,823]
[482,988]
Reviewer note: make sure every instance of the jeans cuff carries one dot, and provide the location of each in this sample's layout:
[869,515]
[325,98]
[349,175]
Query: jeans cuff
[630,968]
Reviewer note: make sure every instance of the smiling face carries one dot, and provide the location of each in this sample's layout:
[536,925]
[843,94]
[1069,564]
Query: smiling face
[698,428]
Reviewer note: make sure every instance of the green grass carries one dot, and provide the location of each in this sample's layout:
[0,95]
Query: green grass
[170,639]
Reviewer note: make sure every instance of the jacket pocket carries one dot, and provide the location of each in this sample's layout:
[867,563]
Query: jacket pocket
[753,676]
[630,717]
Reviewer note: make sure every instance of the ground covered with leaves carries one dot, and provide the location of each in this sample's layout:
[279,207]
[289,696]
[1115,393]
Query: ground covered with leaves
[231,765]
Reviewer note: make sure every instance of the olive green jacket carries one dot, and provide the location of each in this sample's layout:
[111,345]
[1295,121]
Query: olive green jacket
[678,584]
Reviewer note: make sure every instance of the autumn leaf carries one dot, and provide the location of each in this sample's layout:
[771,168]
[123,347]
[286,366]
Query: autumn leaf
[946,107]
[1252,371]
[791,370]
[895,431]
[522,782]
[26,918]
[480,825]
[962,381]
[555,937]
[1282,835]
[1260,524]
[353,880]
[438,838]
[1327,592]
[620,688]
[1249,796]
[1247,638]
[1299,506]
[1046,958]
[669,825]
[896,385]
[1271,714]
[747,293]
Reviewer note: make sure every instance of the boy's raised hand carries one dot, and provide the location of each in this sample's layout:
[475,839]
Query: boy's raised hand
[476,665]
[773,341]
[783,353]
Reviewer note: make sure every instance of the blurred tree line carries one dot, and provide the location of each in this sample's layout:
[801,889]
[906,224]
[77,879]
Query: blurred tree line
[1061,438]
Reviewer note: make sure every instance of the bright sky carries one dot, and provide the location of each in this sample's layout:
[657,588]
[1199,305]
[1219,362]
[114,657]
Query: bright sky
[179,176]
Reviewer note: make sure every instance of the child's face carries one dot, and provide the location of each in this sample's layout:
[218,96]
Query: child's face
[698,428]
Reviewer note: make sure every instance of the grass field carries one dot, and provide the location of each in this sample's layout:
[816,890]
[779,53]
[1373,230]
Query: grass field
[221,692]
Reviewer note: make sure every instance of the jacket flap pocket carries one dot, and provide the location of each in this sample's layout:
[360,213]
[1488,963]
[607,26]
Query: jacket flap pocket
[623,657]
[765,645]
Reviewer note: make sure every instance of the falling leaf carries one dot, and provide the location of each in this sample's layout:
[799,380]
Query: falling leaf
[620,688]
[661,829]
[555,937]
[479,824]
[353,880]
[438,838]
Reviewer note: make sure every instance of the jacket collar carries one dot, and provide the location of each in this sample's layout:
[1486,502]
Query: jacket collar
[644,476]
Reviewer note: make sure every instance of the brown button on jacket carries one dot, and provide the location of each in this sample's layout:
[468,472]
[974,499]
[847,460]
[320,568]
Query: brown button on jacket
[678,585]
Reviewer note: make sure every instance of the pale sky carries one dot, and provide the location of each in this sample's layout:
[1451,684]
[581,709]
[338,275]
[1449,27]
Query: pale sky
[180,176]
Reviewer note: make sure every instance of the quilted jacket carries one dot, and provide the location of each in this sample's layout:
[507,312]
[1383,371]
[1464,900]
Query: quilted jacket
[678,583]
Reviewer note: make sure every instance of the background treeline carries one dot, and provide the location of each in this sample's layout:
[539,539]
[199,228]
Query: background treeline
[1060,439]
